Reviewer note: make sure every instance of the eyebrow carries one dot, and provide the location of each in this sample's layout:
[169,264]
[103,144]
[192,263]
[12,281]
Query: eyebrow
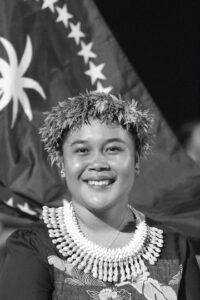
[106,142]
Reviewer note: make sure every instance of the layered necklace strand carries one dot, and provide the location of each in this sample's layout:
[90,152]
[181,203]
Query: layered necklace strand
[107,264]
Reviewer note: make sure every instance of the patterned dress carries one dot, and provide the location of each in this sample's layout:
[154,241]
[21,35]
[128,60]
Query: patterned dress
[34,270]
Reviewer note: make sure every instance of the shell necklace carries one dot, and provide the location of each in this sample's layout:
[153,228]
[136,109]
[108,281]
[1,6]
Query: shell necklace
[107,264]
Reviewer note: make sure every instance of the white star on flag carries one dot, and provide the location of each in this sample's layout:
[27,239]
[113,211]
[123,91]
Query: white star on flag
[63,15]
[95,72]
[9,202]
[76,32]
[26,209]
[100,88]
[13,80]
[49,4]
[86,52]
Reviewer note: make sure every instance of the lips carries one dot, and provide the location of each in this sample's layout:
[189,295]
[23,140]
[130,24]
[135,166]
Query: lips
[99,182]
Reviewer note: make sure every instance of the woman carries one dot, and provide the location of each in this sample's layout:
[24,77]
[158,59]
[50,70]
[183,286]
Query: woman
[97,246]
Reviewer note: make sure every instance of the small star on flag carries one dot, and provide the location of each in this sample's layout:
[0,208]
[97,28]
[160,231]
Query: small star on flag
[95,72]
[100,88]
[76,32]
[63,15]
[86,52]
[26,209]
[49,4]
[10,202]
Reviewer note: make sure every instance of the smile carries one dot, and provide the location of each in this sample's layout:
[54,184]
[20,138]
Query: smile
[98,183]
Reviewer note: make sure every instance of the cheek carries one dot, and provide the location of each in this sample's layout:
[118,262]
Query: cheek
[127,169]
[128,161]
[73,167]
[73,170]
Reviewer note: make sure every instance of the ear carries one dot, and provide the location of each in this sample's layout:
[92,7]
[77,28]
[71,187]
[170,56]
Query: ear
[61,165]
[137,163]
[59,159]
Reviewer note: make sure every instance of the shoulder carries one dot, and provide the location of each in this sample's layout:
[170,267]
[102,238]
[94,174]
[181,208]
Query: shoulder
[25,272]
[175,244]
[29,233]
[168,231]
[31,239]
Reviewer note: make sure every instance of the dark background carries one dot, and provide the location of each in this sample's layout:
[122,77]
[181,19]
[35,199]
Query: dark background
[162,41]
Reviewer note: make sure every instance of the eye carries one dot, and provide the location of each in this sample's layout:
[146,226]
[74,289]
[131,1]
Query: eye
[113,149]
[81,150]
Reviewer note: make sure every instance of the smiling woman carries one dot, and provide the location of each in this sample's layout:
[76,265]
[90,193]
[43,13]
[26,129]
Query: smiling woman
[99,163]
[97,246]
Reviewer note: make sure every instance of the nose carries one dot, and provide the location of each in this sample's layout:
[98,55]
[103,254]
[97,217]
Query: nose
[99,163]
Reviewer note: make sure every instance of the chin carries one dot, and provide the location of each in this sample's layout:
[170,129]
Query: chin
[100,203]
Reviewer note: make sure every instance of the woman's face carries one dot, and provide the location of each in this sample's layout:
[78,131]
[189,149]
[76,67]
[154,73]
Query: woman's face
[99,163]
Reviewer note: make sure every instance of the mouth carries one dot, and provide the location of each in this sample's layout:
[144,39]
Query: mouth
[100,184]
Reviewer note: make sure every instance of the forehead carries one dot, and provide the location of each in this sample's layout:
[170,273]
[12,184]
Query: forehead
[102,132]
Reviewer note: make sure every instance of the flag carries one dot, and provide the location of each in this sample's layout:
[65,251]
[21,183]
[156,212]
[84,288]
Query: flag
[51,50]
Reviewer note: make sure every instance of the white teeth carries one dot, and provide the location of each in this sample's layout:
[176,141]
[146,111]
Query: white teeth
[98,183]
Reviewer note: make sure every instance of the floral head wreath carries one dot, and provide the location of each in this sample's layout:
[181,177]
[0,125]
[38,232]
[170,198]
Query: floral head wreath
[73,113]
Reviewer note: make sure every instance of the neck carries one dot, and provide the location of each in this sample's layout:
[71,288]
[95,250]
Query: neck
[100,220]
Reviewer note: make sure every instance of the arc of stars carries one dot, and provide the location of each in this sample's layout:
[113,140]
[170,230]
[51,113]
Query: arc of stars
[49,4]
[101,88]
[86,52]
[63,15]
[95,72]
[76,32]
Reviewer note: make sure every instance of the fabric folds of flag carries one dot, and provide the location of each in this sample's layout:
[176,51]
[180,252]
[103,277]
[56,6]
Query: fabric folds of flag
[53,49]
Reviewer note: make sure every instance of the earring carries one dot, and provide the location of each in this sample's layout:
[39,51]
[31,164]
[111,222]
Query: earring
[137,163]
[137,170]
[62,173]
